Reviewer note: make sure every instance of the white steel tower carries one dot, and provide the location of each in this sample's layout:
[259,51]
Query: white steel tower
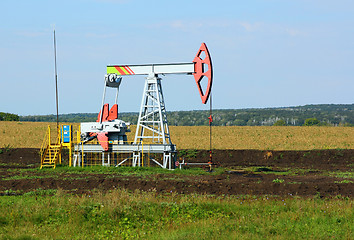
[152,121]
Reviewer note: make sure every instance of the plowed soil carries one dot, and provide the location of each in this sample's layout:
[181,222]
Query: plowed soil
[324,173]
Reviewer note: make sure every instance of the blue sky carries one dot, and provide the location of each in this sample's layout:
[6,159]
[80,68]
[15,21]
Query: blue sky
[265,53]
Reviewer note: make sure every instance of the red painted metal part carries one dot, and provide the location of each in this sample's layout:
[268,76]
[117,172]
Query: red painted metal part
[210,119]
[113,113]
[201,72]
[103,140]
[107,116]
[105,113]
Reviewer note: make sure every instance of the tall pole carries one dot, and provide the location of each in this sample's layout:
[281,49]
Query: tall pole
[210,134]
[56,81]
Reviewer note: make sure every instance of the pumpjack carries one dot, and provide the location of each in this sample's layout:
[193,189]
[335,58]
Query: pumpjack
[152,123]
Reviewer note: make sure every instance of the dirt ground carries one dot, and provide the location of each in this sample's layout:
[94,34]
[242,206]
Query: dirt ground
[322,173]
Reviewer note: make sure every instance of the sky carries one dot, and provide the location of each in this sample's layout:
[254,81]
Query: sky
[265,53]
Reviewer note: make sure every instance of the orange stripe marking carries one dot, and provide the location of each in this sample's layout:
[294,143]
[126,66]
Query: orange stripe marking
[129,70]
[120,70]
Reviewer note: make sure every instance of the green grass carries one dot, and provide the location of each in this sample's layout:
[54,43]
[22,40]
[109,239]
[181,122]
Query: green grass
[9,164]
[344,181]
[339,174]
[278,180]
[65,172]
[294,183]
[133,171]
[41,192]
[146,215]
[188,153]
[75,173]
[17,177]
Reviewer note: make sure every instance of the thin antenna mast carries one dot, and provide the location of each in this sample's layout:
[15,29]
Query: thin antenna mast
[56,81]
[210,133]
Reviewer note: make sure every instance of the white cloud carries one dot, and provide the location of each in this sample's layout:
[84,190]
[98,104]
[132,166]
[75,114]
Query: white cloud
[251,27]
[293,32]
[275,29]
[178,25]
[271,28]
[31,33]
[97,35]
[183,25]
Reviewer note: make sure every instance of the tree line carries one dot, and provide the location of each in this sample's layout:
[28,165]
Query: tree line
[322,114]
[9,117]
[329,115]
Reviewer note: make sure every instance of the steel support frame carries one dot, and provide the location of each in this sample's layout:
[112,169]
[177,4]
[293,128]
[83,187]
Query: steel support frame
[152,116]
[137,150]
[136,159]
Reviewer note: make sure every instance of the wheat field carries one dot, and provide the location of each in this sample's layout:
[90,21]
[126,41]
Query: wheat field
[31,134]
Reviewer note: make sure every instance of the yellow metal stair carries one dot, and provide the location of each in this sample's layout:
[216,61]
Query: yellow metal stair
[51,155]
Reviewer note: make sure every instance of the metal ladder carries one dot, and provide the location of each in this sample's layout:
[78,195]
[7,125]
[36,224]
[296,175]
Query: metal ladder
[51,156]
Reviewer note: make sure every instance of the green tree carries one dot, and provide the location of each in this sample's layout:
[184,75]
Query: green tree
[311,122]
[280,122]
[9,117]
[239,122]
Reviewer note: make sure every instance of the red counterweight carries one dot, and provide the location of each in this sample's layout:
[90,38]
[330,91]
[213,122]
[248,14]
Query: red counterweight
[201,71]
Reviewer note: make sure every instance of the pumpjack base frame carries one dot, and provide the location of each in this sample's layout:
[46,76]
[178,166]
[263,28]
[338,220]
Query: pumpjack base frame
[136,150]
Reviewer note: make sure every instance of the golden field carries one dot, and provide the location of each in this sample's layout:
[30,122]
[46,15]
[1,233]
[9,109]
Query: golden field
[31,134]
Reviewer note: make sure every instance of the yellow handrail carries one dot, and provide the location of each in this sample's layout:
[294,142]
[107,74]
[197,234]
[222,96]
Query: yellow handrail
[46,142]
[58,137]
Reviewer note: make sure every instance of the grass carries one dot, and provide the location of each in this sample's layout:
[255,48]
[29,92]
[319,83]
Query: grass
[189,153]
[71,173]
[66,171]
[145,215]
[153,173]
[339,174]
[31,134]
[344,181]
[120,214]
[27,177]
[278,180]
